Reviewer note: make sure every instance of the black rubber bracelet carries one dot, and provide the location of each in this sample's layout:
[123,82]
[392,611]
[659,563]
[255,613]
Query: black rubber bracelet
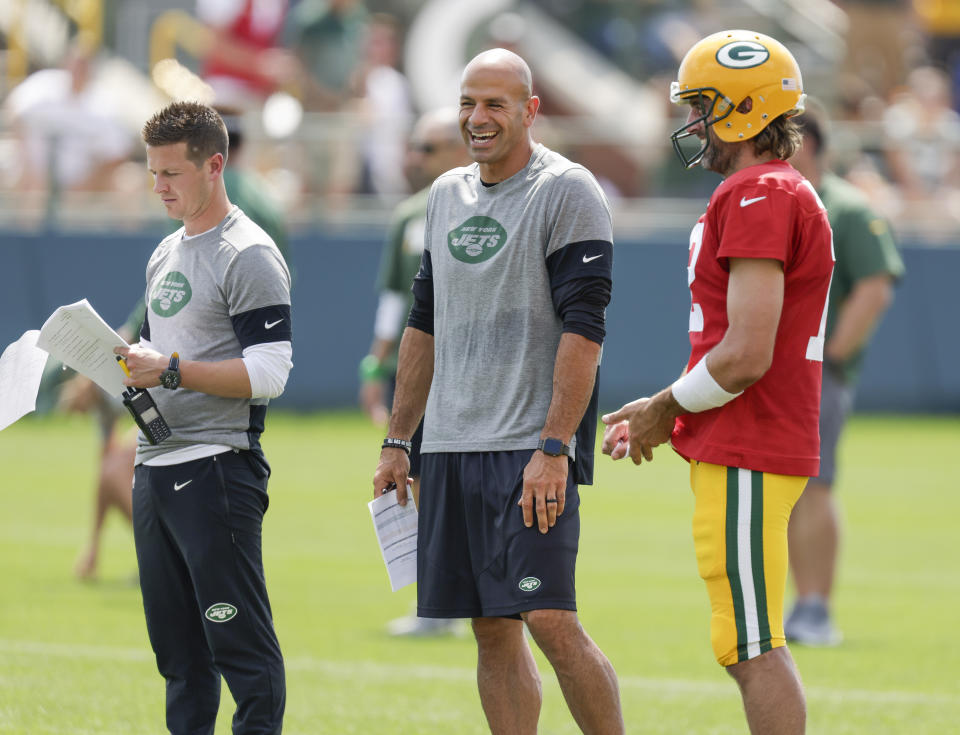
[394,443]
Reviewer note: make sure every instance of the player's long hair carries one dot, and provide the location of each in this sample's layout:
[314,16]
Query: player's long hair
[781,137]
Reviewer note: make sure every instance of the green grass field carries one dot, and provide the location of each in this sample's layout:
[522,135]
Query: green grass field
[74,657]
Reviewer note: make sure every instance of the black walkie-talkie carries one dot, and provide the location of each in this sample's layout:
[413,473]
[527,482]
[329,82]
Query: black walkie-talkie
[144,410]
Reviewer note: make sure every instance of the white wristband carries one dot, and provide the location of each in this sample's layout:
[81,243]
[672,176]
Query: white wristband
[697,390]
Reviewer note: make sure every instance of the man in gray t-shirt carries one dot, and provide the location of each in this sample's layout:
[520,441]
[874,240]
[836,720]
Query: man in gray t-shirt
[501,352]
[214,347]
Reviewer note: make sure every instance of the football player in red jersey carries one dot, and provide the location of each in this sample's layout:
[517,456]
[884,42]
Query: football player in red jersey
[745,411]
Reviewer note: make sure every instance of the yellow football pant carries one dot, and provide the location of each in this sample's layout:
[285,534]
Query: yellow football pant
[740,536]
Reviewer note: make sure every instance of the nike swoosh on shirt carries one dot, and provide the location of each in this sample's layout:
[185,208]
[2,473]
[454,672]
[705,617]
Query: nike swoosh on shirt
[178,486]
[593,257]
[271,325]
[744,202]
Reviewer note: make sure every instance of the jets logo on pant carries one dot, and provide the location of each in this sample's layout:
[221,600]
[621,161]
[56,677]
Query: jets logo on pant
[220,612]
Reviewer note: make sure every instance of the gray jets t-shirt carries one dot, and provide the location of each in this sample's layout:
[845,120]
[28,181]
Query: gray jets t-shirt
[198,293]
[495,326]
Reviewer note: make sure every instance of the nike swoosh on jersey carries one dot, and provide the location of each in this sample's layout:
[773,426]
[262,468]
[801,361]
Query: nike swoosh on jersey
[271,325]
[744,202]
[592,257]
[178,486]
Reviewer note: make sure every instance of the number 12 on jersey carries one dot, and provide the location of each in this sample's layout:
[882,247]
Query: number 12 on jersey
[815,343]
[696,311]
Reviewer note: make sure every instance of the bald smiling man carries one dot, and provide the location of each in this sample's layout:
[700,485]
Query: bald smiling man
[501,352]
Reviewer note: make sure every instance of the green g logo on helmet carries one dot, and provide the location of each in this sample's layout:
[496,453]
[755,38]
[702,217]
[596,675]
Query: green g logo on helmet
[742,54]
[476,240]
[171,294]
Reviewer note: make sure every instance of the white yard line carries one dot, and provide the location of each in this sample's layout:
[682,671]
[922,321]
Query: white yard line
[366,670]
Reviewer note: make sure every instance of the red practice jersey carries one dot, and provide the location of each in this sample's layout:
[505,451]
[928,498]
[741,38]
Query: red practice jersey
[764,211]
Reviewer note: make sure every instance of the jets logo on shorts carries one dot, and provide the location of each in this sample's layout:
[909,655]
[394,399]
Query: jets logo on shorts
[742,54]
[476,240]
[220,612]
[529,584]
[171,294]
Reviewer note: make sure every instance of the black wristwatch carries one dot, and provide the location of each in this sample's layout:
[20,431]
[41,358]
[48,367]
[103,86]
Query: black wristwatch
[170,378]
[553,447]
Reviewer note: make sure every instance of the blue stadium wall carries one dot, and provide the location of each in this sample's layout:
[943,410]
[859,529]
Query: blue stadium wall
[911,364]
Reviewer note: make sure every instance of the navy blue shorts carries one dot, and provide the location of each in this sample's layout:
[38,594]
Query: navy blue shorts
[475,558]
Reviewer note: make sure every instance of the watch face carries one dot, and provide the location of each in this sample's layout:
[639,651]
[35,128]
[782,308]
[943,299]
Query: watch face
[552,446]
[170,379]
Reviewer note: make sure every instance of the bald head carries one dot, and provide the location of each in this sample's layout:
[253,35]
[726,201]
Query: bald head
[497,108]
[505,64]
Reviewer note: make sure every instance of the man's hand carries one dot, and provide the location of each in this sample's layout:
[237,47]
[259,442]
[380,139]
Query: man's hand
[639,426]
[145,365]
[544,490]
[392,472]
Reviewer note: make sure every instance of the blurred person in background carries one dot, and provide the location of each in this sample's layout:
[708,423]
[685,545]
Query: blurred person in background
[435,147]
[744,412]
[922,141]
[70,133]
[882,40]
[501,350]
[385,107]
[867,267]
[940,22]
[246,188]
[327,36]
[118,446]
[245,61]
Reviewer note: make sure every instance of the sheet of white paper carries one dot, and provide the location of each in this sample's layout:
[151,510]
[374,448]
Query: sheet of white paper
[21,367]
[77,336]
[396,527]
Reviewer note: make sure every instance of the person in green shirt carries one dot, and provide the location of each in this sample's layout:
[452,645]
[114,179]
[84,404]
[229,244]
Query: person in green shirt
[866,270]
[435,147]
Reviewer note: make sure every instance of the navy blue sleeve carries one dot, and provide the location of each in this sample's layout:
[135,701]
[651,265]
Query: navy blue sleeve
[581,281]
[145,327]
[263,325]
[421,313]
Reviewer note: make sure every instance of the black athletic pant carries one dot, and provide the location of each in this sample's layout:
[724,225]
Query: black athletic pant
[197,532]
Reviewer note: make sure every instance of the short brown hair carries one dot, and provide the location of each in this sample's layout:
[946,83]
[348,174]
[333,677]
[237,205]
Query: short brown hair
[195,124]
[781,138]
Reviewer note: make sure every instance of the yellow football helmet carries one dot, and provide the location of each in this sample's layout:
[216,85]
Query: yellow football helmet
[741,81]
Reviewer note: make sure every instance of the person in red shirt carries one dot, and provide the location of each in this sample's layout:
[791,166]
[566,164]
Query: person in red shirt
[745,412]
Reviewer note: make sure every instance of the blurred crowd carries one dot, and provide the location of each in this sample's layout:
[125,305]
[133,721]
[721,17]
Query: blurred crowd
[327,92]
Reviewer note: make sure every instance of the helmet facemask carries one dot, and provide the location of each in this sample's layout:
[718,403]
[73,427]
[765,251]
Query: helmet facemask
[714,107]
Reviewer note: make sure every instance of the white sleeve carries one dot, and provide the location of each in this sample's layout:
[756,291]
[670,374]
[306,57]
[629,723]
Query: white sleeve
[268,366]
[390,315]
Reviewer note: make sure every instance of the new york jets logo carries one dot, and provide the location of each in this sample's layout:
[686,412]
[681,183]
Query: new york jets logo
[529,584]
[742,54]
[220,612]
[476,240]
[171,294]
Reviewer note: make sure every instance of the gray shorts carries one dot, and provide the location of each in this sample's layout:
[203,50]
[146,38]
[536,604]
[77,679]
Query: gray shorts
[836,401]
